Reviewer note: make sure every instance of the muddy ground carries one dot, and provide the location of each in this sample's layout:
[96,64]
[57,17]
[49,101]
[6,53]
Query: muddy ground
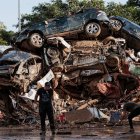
[81,132]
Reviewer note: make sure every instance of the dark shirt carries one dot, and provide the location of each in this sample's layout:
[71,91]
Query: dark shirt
[45,96]
[130,106]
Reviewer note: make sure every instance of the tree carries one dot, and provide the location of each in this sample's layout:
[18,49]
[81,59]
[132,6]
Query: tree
[2,26]
[132,2]
[45,11]
[128,11]
[58,8]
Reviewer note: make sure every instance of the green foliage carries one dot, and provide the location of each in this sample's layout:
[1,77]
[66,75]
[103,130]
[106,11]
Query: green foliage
[2,26]
[5,37]
[58,8]
[128,11]
[131,2]
[45,11]
[3,42]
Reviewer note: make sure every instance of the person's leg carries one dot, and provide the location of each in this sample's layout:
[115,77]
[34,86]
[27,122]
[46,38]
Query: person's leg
[51,117]
[42,113]
[133,114]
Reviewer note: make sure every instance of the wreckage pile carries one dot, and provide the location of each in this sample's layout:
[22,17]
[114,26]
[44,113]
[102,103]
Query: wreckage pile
[89,74]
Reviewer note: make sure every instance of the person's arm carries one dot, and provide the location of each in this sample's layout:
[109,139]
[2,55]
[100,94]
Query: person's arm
[54,83]
[36,96]
[51,92]
[123,115]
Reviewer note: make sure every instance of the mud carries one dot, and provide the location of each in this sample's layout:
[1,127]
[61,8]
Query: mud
[90,133]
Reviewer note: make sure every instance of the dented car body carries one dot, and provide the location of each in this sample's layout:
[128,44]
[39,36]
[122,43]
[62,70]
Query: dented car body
[19,67]
[88,21]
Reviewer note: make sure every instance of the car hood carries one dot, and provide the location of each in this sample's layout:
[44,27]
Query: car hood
[14,57]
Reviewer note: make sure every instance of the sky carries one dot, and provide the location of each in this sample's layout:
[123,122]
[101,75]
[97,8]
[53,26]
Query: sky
[9,10]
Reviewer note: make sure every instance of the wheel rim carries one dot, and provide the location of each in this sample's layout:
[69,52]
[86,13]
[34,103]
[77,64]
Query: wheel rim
[116,24]
[92,28]
[36,40]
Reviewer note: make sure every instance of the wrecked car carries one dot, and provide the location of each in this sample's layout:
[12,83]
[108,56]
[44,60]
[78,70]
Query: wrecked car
[19,68]
[86,62]
[128,30]
[88,21]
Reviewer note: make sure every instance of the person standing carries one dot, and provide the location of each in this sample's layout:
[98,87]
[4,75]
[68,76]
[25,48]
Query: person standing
[134,110]
[45,107]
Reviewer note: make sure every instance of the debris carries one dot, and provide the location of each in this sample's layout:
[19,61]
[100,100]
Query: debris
[78,117]
[48,77]
[98,114]
[88,75]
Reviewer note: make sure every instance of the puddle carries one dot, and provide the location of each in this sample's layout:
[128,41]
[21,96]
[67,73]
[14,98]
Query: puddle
[100,133]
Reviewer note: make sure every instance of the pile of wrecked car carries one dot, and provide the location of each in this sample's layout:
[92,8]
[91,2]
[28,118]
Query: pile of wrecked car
[88,56]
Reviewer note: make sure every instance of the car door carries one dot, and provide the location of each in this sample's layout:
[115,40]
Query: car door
[51,28]
[75,22]
[134,39]
[62,26]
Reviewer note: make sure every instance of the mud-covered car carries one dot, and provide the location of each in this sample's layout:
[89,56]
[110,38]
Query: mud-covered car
[19,68]
[128,30]
[88,21]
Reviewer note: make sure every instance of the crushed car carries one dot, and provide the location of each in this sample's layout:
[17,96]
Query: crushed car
[86,64]
[19,68]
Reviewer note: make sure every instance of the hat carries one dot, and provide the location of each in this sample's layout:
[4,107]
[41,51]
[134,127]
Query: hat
[47,84]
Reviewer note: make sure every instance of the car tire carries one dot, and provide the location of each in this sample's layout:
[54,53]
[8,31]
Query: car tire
[92,29]
[36,40]
[116,25]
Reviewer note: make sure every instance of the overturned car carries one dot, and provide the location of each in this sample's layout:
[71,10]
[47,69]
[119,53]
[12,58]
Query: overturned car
[127,30]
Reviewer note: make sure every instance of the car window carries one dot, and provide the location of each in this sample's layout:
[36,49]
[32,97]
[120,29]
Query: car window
[52,24]
[61,21]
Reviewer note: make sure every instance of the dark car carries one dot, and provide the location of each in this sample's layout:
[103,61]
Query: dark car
[86,20]
[19,68]
[128,30]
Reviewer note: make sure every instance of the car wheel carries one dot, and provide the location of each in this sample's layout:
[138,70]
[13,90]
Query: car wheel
[92,29]
[36,40]
[116,25]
